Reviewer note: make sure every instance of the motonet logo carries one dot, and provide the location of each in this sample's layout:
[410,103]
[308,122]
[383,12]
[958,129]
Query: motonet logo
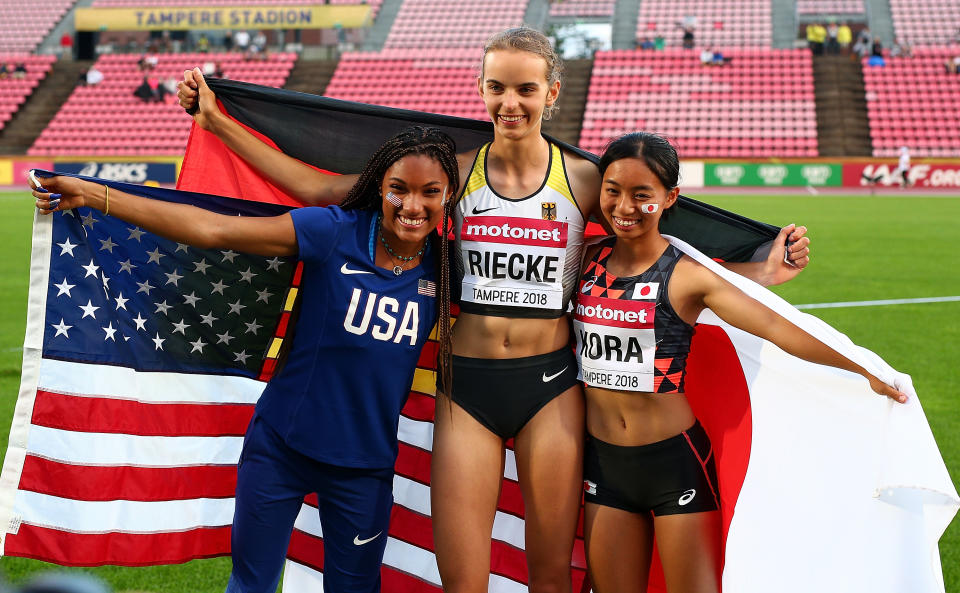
[600,313]
[544,233]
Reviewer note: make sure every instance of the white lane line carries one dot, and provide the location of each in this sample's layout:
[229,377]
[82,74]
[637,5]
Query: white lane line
[946,299]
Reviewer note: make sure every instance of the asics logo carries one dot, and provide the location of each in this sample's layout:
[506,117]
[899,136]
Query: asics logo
[359,542]
[547,378]
[347,271]
[588,285]
[687,497]
[475,211]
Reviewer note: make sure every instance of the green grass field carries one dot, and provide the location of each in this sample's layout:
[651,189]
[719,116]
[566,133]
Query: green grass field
[864,248]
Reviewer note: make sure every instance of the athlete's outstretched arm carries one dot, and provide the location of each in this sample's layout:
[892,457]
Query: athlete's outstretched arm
[302,182]
[271,235]
[696,288]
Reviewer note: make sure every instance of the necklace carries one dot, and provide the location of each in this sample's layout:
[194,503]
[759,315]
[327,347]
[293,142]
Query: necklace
[398,269]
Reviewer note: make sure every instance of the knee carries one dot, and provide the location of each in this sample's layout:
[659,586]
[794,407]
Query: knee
[556,580]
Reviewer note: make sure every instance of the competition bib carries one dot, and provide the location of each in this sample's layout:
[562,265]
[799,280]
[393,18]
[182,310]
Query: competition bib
[616,343]
[513,262]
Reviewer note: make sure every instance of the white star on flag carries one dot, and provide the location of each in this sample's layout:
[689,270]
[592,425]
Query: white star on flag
[145,287]
[107,244]
[64,288]
[109,330]
[62,328]
[155,255]
[91,269]
[66,247]
[89,310]
[172,277]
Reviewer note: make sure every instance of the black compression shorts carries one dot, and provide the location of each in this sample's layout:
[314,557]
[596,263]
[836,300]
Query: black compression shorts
[504,394]
[669,477]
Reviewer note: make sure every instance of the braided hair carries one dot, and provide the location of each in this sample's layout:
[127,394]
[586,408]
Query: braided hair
[365,195]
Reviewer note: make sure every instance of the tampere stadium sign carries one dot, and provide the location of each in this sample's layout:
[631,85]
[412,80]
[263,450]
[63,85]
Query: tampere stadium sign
[222,17]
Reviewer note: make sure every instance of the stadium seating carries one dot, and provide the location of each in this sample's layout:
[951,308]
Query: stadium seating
[407,79]
[14,91]
[830,7]
[926,22]
[108,120]
[913,102]
[722,22]
[441,24]
[582,8]
[23,25]
[759,105]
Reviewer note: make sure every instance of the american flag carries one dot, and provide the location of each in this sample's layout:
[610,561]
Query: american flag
[142,365]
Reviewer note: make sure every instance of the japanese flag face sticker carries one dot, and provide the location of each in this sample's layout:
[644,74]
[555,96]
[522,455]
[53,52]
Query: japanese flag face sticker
[649,208]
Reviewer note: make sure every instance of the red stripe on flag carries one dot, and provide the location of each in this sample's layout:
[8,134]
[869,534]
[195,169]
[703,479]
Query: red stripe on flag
[123,549]
[419,407]
[99,414]
[85,482]
[428,356]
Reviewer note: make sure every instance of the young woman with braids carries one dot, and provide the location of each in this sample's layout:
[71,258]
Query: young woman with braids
[327,421]
[519,226]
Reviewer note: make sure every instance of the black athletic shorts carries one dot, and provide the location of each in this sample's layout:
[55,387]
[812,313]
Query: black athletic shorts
[673,476]
[504,394]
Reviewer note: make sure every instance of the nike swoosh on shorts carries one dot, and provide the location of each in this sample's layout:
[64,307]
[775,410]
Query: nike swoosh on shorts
[547,378]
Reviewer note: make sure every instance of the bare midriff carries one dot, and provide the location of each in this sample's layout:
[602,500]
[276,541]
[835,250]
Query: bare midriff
[630,418]
[485,336]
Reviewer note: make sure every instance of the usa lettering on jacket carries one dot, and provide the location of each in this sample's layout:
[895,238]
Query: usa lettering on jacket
[378,316]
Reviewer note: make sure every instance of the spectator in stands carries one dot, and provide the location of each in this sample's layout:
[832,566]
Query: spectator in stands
[203,43]
[706,56]
[82,77]
[688,38]
[258,47]
[20,70]
[241,39]
[647,43]
[877,48]
[94,76]
[149,90]
[719,59]
[903,167]
[901,49]
[844,37]
[4,70]
[816,37]
[659,43]
[833,46]
[228,40]
[66,45]
[864,45]
[953,65]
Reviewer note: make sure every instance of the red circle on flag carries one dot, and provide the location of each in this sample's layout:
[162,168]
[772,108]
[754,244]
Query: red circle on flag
[645,291]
